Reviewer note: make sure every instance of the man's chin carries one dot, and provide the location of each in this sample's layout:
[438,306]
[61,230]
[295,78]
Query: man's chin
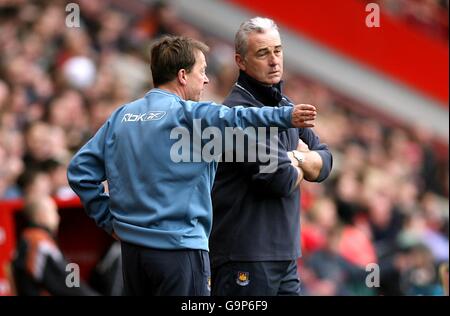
[273,79]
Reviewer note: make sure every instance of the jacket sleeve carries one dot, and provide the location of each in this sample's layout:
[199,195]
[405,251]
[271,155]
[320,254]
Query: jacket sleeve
[86,172]
[239,116]
[281,182]
[312,140]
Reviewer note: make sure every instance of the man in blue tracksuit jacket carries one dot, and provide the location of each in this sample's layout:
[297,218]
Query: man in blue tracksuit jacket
[256,225]
[159,208]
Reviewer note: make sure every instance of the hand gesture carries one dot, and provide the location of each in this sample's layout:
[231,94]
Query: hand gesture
[304,115]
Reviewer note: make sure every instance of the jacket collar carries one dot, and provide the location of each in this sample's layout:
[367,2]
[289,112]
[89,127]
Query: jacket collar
[162,91]
[267,95]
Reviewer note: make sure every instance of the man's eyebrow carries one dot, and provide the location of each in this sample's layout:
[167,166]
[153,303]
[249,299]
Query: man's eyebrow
[265,49]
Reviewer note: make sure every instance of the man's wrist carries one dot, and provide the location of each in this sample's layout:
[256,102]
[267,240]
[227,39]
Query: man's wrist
[299,156]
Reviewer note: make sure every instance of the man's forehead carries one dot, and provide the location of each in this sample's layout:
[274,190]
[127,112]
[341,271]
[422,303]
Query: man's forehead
[199,55]
[257,41]
[200,58]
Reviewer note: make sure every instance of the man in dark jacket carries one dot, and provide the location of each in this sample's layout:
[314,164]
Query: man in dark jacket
[255,238]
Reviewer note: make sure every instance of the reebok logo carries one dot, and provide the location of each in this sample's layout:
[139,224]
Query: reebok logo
[143,117]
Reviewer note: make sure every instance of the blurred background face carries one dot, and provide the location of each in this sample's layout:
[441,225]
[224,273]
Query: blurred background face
[43,211]
[264,58]
[41,185]
[196,79]
[48,214]
[37,142]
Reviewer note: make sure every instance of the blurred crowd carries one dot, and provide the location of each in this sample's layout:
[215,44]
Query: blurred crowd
[429,16]
[386,202]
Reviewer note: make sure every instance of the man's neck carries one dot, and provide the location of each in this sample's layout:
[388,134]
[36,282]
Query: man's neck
[170,87]
[266,94]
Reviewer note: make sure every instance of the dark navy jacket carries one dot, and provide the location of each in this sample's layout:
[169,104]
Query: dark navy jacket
[256,216]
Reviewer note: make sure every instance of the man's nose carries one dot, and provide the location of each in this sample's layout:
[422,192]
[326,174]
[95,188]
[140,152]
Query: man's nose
[206,80]
[274,60]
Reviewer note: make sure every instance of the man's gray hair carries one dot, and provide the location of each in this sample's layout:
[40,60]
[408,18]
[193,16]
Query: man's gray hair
[254,25]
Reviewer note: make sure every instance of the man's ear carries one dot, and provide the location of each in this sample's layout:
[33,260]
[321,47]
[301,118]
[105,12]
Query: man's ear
[240,61]
[181,76]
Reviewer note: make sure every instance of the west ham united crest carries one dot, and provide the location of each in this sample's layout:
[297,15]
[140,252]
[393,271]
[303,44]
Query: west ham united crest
[243,278]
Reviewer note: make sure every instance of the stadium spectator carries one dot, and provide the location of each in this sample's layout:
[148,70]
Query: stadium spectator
[343,276]
[39,266]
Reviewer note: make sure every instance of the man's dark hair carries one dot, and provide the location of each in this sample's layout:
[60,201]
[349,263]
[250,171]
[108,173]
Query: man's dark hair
[172,53]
